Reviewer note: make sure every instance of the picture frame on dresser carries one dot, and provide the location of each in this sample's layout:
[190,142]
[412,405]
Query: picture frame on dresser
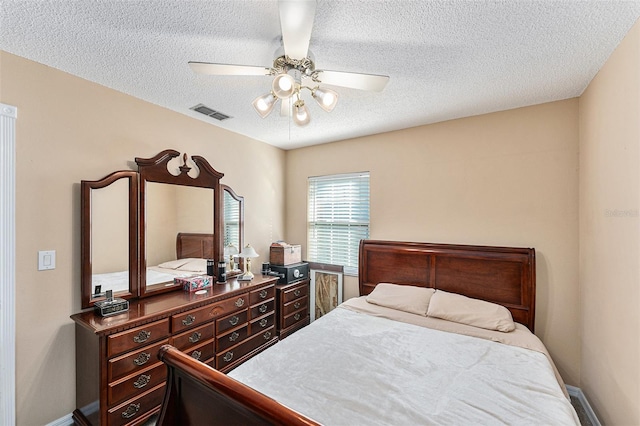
[326,288]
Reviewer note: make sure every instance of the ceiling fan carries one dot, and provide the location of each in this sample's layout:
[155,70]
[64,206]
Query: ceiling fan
[294,69]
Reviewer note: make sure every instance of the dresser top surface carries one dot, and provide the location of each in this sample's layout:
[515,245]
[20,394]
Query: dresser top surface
[156,307]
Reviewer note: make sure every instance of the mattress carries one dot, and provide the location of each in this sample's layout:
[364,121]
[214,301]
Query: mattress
[355,365]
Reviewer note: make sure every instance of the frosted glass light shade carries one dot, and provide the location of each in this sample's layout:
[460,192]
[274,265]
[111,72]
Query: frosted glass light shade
[326,98]
[264,104]
[283,86]
[300,114]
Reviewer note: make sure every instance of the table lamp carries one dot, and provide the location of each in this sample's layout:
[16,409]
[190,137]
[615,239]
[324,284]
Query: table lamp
[247,253]
[230,252]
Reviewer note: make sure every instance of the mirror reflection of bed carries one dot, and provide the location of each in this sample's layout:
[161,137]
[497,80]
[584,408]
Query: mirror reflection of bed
[174,209]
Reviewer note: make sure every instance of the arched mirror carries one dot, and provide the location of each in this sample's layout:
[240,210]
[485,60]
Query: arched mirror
[180,225]
[232,228]
[109,221]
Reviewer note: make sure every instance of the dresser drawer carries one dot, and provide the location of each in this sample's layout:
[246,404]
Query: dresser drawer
[137,337]
[263,308]
[136,408]
[261,324]
[294,318]
[133,362]
[230,356]
[230,321]
[295,305]
[127,387]
[263,294]
[203,314]
[231,338]
[202,352]
[191,337]
[295,292]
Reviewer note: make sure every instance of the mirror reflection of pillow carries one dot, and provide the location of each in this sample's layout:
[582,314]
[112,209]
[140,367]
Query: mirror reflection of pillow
[194,265]
[406,298]
[466,310]
[174,264]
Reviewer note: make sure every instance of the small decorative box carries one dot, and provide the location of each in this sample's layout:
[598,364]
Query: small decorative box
[196,283]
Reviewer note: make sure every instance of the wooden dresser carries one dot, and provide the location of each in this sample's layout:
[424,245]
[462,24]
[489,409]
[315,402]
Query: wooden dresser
[119,378]
[293,307]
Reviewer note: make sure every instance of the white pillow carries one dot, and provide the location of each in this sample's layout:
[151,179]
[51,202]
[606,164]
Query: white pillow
[174,264]
[466,310]
[194,265]
[406,298]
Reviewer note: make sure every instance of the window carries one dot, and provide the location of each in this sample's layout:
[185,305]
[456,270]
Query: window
[338,218]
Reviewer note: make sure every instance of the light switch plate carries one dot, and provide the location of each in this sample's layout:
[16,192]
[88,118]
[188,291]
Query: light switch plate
[46,260]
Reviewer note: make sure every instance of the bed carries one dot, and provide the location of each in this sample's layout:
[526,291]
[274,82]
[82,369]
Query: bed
[381,359]
[192,251]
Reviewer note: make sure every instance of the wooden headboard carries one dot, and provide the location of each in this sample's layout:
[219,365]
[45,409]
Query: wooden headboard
[194,245]
[503,275]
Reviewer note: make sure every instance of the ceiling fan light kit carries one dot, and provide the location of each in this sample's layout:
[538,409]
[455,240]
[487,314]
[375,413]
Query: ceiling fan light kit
[296,22]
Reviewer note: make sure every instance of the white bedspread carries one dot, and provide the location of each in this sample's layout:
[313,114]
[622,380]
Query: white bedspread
[350,368]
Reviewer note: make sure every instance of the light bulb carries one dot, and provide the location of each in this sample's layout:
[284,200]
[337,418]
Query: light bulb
[264,104]
[283,86]
[326,98]
[300,114]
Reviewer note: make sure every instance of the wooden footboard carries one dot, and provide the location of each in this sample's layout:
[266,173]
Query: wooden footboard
[200,395]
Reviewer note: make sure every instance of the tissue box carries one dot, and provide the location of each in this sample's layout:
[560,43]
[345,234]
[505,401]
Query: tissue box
[282,254]
[192,284]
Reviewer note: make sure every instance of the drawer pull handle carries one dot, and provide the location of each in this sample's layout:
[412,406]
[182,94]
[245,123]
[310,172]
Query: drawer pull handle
[196,355]
[195,337]
[263,294]
[296,316]
[239,302]
[142,381]
[188,320]
[132,410]
[142,359]
[263,322]
[296,305]
[263,309]
[267,335]
[234,336]
[142,337]
[228,357]
[234,320]
[297,292]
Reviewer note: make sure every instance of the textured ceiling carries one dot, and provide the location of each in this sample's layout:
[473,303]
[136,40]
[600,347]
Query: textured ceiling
[445,59]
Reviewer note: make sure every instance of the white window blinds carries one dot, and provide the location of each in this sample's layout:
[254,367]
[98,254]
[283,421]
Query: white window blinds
[338,218]
[231,220]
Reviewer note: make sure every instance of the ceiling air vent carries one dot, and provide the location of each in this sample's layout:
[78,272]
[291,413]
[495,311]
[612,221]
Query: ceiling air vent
[202,109]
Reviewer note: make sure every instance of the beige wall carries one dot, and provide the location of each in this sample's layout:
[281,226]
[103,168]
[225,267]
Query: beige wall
[610,236]
[509,178]
[69,129]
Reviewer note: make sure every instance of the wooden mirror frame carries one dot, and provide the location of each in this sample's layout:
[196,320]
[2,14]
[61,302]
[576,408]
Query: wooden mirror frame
[240,200]
[154,169]
[86,274]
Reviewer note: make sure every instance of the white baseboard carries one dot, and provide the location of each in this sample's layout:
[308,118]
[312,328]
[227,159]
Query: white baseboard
[62,421]
[577,393]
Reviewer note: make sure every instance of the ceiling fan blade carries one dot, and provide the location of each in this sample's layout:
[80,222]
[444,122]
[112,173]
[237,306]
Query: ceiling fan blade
[227,69]
[285,107]
[296,22]
[353,80]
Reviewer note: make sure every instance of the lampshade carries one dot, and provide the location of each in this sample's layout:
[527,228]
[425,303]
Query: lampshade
[283,86]
[300,113]
[326,98]
[248,252]
[264,104]
[230,250]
